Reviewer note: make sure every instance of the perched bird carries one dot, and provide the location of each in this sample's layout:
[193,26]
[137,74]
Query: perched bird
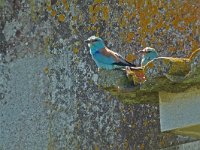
[148,54]
[137,73]
[104,57]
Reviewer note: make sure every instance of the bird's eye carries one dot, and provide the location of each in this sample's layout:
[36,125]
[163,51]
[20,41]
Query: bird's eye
[95,40]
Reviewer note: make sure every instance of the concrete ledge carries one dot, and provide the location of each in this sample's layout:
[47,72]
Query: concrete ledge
[178,110]
[188,146]
[162,74]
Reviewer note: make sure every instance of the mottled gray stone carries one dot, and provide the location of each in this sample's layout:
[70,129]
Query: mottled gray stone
[49,93]
[23,122]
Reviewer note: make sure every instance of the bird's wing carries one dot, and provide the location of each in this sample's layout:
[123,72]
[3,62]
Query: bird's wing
[103,59]
[109,53]
[119,60]
[122,61]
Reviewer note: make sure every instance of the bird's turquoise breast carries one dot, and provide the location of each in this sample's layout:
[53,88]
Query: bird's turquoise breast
[103,61]
[96,47]
[148,57]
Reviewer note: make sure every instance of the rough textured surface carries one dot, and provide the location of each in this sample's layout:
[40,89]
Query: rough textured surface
[161,74]
[49,96]
[178,110]
[187,146]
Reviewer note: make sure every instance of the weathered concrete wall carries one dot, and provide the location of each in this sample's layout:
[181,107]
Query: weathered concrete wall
[49,97]
[187,146]
[178,110]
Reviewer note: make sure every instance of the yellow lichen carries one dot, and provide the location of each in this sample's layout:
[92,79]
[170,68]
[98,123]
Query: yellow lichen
[145,15]
[150,65]
[131,57]
[142,146]
[195,45]
[137,75]
[66,6]
[46,70]
[32,4]
[98,1]
[105,13]
[130,37]
[145,123]
[121,2]
[64,1]
[194,54]
[76,50]
[53,13]
[96,147]
[61,17]
[49,8]
[93,28]
[57,3]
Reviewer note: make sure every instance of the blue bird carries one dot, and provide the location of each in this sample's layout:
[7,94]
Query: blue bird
[137,73]
[104,57]
[148,54]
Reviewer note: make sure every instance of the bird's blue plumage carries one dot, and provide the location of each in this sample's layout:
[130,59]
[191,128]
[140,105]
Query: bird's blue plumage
[102,61]
[103,57]
[149,54]
[96,46]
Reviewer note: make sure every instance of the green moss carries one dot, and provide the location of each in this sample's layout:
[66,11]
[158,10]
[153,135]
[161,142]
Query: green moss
[176,75]
[2,3]
[192,131]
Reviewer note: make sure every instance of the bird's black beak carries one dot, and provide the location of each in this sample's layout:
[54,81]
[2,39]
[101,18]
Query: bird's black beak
[87,41]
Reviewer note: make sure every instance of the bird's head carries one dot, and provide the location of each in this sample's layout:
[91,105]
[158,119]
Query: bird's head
[149,52]
[95,43]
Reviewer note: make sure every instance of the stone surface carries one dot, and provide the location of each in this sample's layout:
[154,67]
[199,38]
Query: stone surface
[49,92]
[187,146]
[178,110]
[23,115]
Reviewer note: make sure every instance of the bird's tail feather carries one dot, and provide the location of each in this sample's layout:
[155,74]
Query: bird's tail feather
[126,63]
